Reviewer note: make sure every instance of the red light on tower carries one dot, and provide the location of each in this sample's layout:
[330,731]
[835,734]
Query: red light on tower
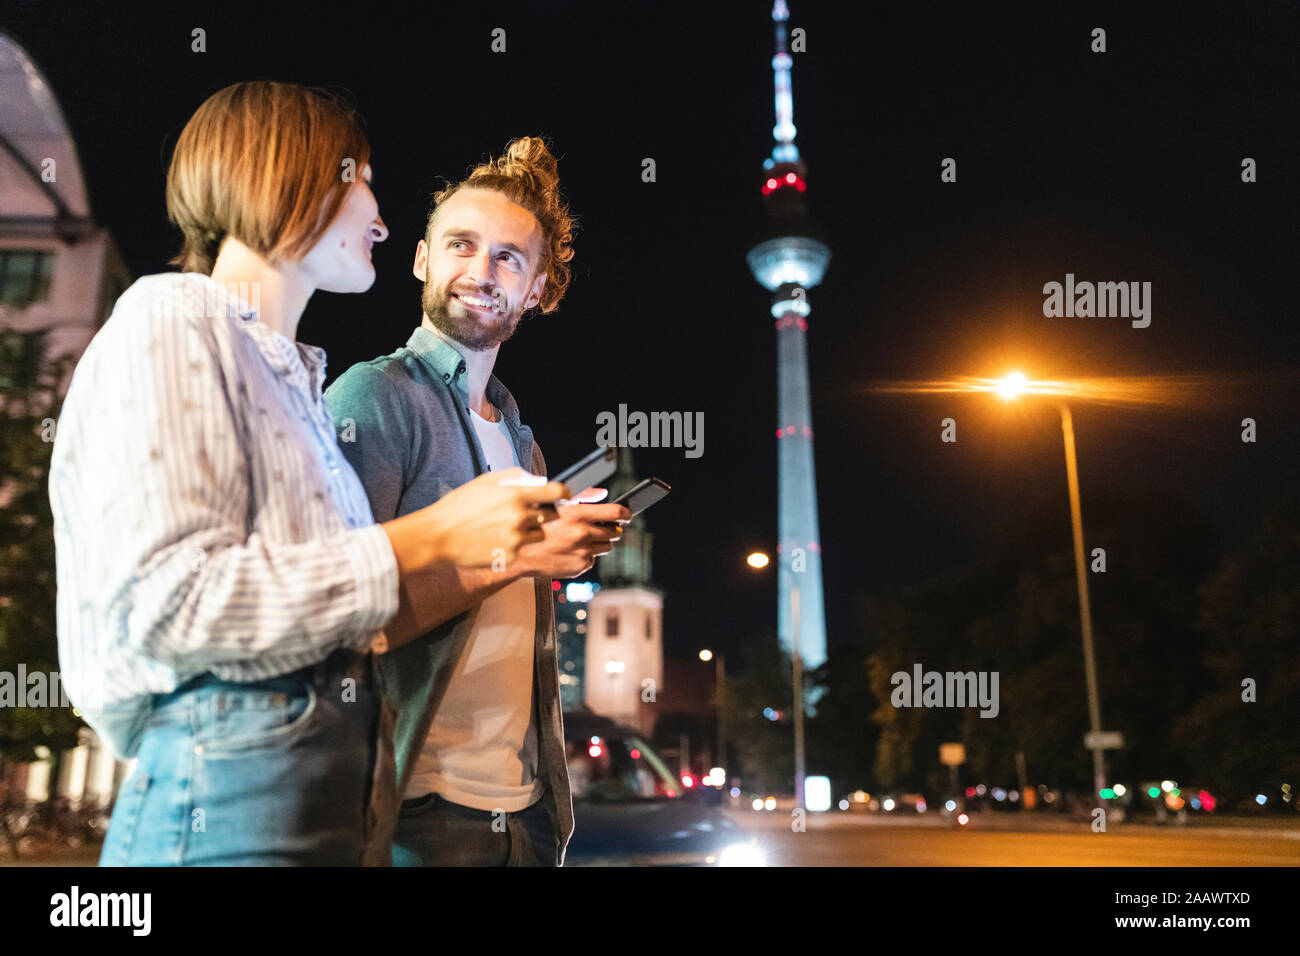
[772,184]
[594,750]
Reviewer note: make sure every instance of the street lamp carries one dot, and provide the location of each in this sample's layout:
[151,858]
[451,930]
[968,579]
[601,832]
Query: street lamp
[1010,387]
[758,560]
[720,682]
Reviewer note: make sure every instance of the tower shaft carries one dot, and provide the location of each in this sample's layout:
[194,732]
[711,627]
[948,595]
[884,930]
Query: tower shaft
[799,550]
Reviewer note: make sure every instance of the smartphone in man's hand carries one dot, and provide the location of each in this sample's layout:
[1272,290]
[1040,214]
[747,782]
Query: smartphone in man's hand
[590,471]
[643,495]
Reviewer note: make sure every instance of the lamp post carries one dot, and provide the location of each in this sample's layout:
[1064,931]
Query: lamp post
[720,683]
[1085,609]
[758,560]
[1009,388]
[797,662]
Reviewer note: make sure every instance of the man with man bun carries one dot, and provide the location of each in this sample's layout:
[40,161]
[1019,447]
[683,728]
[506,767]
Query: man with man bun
[472,657]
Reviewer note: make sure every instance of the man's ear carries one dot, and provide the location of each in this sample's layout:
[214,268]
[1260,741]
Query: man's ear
[535,295]
[420,269]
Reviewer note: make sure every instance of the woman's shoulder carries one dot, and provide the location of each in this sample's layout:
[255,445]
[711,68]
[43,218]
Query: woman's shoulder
[171,296]
[163,318]
[161,323]
[170,305]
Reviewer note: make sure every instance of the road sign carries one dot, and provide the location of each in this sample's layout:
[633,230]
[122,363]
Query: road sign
[1103,740]
[952,755]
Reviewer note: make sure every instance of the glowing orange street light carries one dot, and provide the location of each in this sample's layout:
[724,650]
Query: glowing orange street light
[757,560]
[1009,387]
[1012,385]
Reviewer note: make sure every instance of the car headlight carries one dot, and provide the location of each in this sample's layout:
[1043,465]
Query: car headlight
[742,854]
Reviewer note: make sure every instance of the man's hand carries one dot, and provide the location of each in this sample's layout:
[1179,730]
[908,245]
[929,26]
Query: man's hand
[572,542]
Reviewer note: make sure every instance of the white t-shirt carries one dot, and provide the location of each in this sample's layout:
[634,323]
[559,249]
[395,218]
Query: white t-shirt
[481,751]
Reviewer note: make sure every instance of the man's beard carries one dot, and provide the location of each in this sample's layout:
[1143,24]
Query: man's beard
[471,329]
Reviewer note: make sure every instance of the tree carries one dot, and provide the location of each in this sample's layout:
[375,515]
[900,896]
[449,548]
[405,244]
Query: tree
[1017,614]
[764,747]
[29,406]
[841,737]
[1249,614]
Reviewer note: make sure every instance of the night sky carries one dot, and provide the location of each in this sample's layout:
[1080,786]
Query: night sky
[1119,166]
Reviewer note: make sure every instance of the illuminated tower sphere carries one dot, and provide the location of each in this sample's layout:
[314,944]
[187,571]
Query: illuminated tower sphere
[790,259]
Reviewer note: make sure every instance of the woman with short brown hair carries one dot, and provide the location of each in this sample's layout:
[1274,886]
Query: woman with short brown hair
[220,576]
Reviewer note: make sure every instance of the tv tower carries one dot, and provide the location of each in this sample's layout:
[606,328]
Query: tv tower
[790,259]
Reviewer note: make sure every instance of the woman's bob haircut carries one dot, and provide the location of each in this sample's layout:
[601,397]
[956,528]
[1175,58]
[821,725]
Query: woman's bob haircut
[267,163]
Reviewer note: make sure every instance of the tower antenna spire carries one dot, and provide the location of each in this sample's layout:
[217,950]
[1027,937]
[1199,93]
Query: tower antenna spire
[783,132]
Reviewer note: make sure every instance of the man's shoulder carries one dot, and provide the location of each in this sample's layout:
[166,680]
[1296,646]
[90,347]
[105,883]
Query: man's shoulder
[399,370]
[394,386]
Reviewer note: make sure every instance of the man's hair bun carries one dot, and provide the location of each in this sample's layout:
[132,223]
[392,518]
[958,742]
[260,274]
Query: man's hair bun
[527,173]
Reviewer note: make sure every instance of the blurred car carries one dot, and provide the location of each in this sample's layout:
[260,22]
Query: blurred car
[630,810]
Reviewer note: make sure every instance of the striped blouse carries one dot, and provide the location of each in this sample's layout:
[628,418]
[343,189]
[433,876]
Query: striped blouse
[204,518]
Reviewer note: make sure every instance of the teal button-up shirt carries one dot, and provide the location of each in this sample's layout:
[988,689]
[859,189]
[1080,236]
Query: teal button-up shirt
[404,424]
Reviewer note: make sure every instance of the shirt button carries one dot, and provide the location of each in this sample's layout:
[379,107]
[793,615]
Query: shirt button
[446,377]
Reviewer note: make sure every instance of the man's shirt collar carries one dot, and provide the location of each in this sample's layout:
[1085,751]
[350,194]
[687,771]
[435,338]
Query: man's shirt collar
[448,364]
[442,357]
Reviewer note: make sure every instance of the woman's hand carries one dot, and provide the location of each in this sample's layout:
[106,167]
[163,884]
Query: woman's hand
[482,523]
[486,521]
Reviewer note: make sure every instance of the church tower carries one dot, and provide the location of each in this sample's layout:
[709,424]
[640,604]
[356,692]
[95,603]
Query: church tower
[624,661]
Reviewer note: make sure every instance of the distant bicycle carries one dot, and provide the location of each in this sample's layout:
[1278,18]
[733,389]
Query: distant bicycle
[28,825]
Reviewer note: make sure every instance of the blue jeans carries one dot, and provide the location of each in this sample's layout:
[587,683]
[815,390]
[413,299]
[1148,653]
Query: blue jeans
[433,831]
[294,770]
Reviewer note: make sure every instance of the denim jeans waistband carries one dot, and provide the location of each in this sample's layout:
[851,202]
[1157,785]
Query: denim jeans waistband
[340,663]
